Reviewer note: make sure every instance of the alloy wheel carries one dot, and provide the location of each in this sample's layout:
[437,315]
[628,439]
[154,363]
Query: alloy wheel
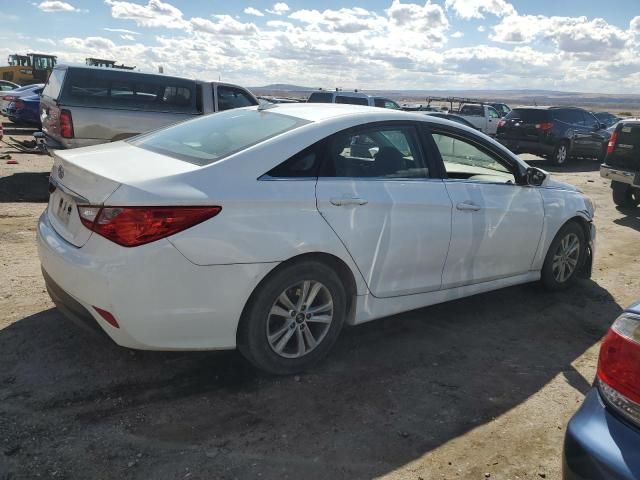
[565,259]
[299,319]
[561,155]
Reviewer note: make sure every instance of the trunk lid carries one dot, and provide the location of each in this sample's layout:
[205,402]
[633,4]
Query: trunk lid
[90,175]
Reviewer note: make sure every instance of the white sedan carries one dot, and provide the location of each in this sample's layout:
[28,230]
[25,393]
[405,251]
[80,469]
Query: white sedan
[269,228]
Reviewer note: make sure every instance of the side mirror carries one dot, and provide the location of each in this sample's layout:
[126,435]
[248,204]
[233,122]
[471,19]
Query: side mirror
[535,176]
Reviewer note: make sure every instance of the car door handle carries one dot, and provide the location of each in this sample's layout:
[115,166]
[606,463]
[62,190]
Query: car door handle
[468,207]
[344,201]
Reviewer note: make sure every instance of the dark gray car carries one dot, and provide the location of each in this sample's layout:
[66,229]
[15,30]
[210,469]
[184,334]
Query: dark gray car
[84,106]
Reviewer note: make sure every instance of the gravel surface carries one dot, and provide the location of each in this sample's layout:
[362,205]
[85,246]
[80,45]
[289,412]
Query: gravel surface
[475,388]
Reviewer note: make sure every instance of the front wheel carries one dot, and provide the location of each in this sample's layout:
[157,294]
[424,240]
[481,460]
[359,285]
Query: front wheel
[293,319]
[564,257]
[624,195]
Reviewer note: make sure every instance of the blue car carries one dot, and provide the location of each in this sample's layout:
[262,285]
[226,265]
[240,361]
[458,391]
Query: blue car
[603,438]
[25,108]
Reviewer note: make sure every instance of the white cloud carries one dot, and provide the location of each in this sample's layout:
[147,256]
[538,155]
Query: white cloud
[253,11]
[56,6]
[476,8]
[279,8]
[121,30]
[154,14]
[128,37]
[457,34]
[225,25]
[634,25]
[575,35]
[481,28]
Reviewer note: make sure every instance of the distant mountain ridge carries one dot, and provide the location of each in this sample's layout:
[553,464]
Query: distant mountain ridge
[594,101]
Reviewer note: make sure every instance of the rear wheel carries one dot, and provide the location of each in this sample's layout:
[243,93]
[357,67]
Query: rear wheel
[564,257]
[293,319]
[560,153]
[624,196]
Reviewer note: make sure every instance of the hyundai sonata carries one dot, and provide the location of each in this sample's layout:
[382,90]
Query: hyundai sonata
[268,228]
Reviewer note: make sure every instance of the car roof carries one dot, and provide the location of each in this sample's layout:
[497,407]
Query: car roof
[319,112]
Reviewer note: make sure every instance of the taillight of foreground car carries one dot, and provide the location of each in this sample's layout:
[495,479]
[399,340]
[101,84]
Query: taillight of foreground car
[544,126]
[66,124]
[619,367]
[133,226]
[611,146]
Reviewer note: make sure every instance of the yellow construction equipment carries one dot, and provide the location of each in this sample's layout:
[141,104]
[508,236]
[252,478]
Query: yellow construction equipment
[29,68]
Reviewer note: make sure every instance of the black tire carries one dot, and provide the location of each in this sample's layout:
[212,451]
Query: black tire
[257,318]
[560,154]
[624,196]
[550,273]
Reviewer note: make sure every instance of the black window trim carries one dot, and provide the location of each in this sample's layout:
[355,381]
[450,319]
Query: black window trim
[501,157]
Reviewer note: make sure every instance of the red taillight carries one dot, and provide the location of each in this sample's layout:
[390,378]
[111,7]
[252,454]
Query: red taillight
[66,124]
[7,98]
[18,104]
[501,123]
[619,365]
[110,319]
[611,146]
[544,126]
[133,226]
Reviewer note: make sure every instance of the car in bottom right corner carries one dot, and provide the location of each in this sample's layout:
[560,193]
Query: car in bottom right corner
[603,437]
[622,163]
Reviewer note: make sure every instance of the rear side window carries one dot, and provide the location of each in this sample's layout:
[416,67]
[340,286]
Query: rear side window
[119,90]
[352,100]
[572,116]
[231,97]
[302,165]
[54,84]
[476,110]
[320,97]
[208,139]
[529,115]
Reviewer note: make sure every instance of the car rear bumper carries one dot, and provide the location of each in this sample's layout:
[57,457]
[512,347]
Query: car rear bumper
[598,445]
[620,175]
[58,143]
[160,299]
[526,146]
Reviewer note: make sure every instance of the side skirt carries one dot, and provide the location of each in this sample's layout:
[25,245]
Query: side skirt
[370,308]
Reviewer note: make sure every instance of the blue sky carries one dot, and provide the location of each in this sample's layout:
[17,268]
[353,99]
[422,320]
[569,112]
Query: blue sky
[553,44]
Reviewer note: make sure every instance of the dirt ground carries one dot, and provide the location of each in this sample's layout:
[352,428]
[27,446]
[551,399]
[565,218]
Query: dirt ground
[469,389]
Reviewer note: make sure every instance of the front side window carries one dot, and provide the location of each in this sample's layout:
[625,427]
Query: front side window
[493,113]
[464,160]
[351,100]
[231,97]
[208,139]
[376,152]
[320,97]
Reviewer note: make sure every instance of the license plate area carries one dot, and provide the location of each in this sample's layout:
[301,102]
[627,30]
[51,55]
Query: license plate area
[62,206]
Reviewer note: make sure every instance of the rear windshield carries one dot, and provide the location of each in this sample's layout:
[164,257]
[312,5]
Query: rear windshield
[208,139]
[629,134]
[528,115]
[54,84]
[123,90]
[320,97]
[352,100]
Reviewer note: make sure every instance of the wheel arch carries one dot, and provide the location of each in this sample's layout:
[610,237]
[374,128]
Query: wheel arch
[344,272]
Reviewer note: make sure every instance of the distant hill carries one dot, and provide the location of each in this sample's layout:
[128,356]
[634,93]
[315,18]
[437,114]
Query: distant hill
[514,97]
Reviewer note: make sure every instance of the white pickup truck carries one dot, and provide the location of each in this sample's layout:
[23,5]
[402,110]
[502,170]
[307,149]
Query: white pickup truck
[484,117]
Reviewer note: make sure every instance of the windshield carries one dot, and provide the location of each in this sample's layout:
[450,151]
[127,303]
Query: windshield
[208,139]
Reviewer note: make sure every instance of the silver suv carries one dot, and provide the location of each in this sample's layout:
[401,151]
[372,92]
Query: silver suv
[83,106]
[352,98]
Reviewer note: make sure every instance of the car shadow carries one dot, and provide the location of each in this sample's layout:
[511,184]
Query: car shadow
[631,220]
[25,187]
[391,391]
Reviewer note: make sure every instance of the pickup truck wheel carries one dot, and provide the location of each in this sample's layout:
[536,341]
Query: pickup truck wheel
[624,196]
[560,153]
[564,257]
